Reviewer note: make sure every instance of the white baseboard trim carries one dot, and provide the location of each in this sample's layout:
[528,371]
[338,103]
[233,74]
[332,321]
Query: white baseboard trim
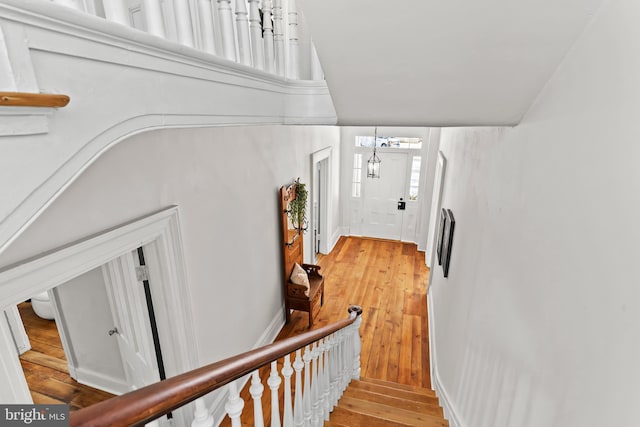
[444,399]
[340,231]
[101,381]
[268,336]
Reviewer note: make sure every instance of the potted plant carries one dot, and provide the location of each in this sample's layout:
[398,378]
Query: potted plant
[298,207]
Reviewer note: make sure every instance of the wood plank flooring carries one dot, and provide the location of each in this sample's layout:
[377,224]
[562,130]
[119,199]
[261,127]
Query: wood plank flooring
[45,366]
[388,279]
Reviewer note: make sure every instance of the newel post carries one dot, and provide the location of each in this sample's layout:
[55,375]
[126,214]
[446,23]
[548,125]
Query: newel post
[357,344]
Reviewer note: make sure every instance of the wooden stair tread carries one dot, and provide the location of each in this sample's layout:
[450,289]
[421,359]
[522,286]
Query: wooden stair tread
[429,408]
[407,387]
[388,391]
[348,418]
[390,413]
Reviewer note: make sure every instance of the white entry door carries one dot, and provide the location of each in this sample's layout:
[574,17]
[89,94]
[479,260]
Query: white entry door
[132,327]
[381,217]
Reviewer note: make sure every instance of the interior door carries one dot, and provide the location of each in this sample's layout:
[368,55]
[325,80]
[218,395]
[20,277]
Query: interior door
[132,327]
[381,217]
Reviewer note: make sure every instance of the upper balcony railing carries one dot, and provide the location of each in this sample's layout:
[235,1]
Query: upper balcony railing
[262,34]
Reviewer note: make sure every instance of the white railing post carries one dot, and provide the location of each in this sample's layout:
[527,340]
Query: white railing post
[117,11]
[256,390]
[306,395]
[201,416]
[205,13]
[257,46]
[152,10]
[278,37]
[298,415]
[267,27]
[316,387]
[294,65]
[242,28]
[234,405]
[183,22]
[287,371]
[226,26]
[274,382]
[70,3]
[357,342]
[316,67]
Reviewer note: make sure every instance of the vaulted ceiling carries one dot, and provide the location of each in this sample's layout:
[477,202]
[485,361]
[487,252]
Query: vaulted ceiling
[441,62]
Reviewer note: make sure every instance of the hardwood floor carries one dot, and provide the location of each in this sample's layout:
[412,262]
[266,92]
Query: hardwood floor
[45,366]
[388,279]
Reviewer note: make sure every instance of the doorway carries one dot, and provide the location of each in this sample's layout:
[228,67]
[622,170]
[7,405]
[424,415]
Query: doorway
[159,234]
[321,182]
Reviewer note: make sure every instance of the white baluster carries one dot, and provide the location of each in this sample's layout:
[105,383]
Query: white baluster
[287,371]
[267,26]
[242,29]
[298,415]
[357,346]
[316,67]
[206,26]
[274,384]
[70,3]
[256,390]
[152,10]
[234,405]
[294,64]
[278,37]
[201,416]
[306,396]
[257,46]
[226,26]
[183,22]
[333,374]
[314,396]
[117,11]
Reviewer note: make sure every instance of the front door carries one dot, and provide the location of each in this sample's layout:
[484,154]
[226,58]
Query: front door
[381,217]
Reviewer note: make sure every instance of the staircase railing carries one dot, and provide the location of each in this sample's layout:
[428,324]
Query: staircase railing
[330,361]
[259,34]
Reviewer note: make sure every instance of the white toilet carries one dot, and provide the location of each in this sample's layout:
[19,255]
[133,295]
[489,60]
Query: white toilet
[42,305]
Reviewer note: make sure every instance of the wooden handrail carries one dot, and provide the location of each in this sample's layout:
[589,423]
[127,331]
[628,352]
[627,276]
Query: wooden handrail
[27,99]
[153,401]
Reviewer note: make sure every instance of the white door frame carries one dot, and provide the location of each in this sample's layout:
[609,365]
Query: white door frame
[318,161]
[17,329]
[436,202]
[176,325]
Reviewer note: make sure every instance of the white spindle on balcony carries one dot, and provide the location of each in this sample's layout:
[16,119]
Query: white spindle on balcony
[117,11]
[242,29]
[287,371]
[183,22]
[256,390]
[226,25]
[294,55]
[255,29]
[274,382]
[278,37]
[269,55]
[234,405]
[152,10]
[201,417]
[206,26]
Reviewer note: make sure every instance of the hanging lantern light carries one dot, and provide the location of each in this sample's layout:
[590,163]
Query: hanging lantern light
[373,164]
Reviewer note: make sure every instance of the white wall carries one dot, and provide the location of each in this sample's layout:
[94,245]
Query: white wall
[225,181]
[86,318]
[537,324]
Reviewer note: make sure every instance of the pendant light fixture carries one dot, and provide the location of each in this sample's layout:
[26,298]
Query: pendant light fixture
[373,164]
